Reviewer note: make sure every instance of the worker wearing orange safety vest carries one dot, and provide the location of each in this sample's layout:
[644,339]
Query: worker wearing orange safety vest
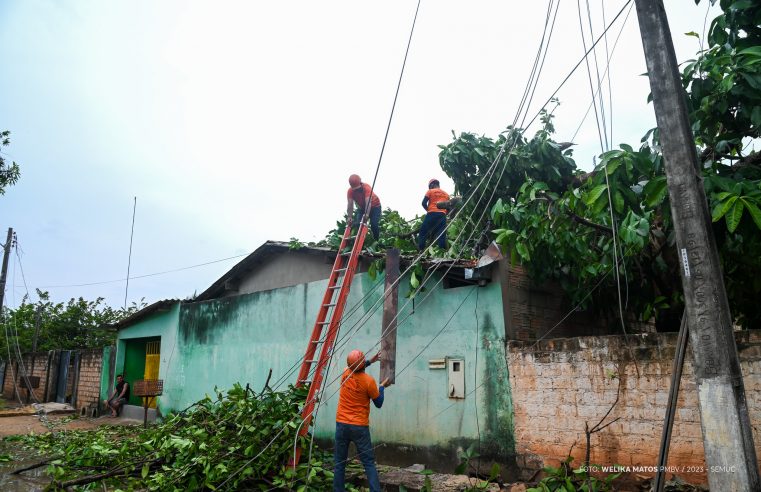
[367,203]
[353,418]
[435,221]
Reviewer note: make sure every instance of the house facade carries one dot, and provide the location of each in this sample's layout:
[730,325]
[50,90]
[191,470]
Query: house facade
[482,356]
[259,316]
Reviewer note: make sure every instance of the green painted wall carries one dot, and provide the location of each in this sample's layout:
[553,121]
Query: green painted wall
[159,325]
[239,339]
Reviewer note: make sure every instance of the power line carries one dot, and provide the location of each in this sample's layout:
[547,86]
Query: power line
[134,277]
[490,172]
[129,258]
[607,68]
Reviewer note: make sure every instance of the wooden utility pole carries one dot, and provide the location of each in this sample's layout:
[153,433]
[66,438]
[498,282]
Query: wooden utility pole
[4,271]
[727,438]
[390,309]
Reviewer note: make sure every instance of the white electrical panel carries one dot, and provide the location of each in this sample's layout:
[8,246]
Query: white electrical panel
[456,378]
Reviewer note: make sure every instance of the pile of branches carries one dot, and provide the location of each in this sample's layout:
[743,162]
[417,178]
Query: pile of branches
[239,440]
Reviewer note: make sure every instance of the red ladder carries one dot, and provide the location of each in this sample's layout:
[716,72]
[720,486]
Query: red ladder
[329,315]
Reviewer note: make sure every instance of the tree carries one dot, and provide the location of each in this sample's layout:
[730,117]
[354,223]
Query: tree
[556,220]
[9,174]
[76,324]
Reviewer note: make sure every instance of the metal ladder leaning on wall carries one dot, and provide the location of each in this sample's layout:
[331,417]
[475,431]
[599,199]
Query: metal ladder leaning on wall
[330,313]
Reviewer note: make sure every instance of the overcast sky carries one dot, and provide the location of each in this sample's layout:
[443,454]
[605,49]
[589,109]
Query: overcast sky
[238,122]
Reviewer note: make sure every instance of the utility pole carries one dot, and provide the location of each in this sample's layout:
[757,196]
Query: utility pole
[4,271]
[727,438]
[37,320]
[3,277]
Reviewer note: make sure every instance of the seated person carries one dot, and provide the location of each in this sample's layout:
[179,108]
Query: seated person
[119,397]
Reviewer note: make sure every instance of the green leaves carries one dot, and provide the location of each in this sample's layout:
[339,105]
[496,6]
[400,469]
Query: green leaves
[634,230]
[199,449]
[594,195]
[732,204]
[655,191]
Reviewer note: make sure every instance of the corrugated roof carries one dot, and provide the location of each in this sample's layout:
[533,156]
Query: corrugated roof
[265,251]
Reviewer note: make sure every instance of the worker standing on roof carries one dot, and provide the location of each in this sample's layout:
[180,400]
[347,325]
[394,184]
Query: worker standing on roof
[367,202]
[353,418]
[435,221]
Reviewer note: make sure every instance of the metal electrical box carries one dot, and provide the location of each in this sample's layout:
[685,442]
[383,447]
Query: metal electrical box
[456,378]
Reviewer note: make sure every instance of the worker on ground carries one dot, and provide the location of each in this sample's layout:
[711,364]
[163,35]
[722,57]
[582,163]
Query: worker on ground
[367,202]
[435,221]
[353,418]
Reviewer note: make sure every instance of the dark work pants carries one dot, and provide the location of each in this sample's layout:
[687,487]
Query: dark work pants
[375,215]
[360,436]
[434,224]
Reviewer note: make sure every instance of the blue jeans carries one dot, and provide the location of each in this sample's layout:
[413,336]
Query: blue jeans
[375,215]
[434,224]
[360,436]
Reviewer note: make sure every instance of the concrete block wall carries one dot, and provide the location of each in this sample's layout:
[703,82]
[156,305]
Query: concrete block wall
[558,385]
[88,387]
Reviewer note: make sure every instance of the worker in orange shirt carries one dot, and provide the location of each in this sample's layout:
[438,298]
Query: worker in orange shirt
[435,221]
[353,418]
[367,202]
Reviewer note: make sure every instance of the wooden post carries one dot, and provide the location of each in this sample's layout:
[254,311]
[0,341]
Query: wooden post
[727,437]
[390,308]
[4,268]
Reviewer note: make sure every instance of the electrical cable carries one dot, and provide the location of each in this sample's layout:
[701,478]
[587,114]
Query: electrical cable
[589,74]
[495,162]
[494,374]
[610,79]
[597,72]
[615,43]
[134,277]
[19,355]
[491,197]
[558,88]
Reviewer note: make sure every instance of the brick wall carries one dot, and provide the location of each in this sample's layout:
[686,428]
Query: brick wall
[38,369]
[559,384]
[88,387]
[533,310]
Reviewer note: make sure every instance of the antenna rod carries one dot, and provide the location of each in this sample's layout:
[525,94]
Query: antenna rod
[129,259]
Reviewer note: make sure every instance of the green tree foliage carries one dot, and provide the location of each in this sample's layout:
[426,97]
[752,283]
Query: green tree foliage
[78,323]
[556,220]
[9,173]
[240,439]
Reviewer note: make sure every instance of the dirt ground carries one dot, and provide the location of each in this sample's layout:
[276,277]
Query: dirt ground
[24,424]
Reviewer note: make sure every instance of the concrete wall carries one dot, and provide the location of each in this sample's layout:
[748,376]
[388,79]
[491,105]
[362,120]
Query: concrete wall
[163,324]
[560,384]
[239,339]
[284,270]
